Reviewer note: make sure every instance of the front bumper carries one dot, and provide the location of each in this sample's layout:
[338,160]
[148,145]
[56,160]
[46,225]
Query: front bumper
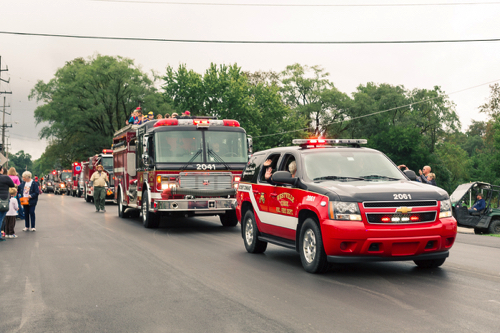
[203,205]
[358,259]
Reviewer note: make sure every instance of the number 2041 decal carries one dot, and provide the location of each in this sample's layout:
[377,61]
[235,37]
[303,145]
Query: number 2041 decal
[205,166]
[400,196]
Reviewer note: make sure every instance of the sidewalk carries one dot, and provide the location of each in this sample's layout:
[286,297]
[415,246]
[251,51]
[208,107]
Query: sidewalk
[463,230]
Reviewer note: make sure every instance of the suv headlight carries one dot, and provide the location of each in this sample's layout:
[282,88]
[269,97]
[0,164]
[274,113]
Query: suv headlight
[445,210]
[340,210]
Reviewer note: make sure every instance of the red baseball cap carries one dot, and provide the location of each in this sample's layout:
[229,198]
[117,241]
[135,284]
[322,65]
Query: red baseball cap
[187,113]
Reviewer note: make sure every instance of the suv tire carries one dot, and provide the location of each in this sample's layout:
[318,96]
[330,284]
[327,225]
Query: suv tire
[429,263]
[149,219]
[229,219]
[251,233]
[312,252]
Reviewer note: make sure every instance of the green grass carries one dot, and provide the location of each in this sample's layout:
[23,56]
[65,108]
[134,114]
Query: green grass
[493,235]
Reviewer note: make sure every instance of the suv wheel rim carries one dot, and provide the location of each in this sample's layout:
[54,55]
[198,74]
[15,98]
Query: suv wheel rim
[249,231]
[309,246]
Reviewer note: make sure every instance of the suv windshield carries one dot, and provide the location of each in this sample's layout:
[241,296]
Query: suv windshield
[349,166]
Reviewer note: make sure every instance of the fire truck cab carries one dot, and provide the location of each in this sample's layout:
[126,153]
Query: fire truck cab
[72,184]
[179,167]
[61,185]
[106,160]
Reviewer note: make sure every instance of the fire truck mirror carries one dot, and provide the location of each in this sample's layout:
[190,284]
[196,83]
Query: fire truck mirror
[145,159]
[250,145]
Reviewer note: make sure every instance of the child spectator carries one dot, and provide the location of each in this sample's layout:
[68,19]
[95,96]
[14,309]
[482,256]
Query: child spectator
[10,218]
[175,115]
[431,179]
[151,115]
[159,116]
[167,115]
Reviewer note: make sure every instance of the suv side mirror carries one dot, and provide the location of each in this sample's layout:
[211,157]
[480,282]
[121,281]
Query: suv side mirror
[411,174]
[284,177]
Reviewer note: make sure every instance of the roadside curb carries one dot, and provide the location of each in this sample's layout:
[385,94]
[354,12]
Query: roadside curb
[463,230]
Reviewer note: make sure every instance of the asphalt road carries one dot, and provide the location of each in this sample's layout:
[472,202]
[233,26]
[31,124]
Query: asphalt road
[83,271]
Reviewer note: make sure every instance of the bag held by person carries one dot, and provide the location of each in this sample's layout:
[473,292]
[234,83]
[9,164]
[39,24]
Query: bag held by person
[25,201]
[4,205]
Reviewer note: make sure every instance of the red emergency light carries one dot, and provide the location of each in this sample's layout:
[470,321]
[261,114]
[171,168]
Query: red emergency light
[167,122]
[54,172]
[414,218]
[201,122]
[385,219]
[76,163]
[230,122]
[107,151]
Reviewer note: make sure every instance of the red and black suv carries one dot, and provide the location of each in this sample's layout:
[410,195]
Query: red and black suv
[336,202]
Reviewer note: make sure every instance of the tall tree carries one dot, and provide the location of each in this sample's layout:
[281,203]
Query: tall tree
[88,100]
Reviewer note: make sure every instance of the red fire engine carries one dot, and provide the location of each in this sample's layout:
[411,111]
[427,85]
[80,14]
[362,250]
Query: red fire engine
[180,167]
[72,184]
[89,167]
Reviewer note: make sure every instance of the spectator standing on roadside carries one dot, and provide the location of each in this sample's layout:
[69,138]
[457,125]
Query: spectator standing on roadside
[159,117]
[186,115]
[99,180]
[167,115]
[5,183]
[12,173]
[10,218]
[29,189]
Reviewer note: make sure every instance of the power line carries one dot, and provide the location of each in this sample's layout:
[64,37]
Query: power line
[206,41]
[300,5]
[379,112]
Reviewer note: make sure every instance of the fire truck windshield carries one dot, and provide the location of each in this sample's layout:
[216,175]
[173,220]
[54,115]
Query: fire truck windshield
[230,146]
[190,146]
[107,163]
[65,176]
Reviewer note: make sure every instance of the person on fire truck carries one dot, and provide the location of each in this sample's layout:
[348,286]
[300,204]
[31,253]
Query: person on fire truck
[99,181]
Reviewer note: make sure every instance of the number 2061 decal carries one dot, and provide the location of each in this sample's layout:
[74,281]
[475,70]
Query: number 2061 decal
[400,196]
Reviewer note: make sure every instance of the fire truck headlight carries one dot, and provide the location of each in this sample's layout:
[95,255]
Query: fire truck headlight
[445,210]
[340,210]
[172,185]
[236,186]
[164,186]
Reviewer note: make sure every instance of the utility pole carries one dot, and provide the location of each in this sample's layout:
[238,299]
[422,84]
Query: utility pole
[3,118]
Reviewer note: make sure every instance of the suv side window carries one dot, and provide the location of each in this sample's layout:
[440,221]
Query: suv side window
[286,161]
[274,165]
[252,168]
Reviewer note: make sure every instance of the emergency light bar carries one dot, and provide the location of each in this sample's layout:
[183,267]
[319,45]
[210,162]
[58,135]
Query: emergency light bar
[199,123]
[107,151]
[318,142]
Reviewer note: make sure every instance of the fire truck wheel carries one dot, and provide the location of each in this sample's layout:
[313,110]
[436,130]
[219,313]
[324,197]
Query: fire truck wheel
[312,253]
[121,207]
[149,219]
[429,263]
[251,233]
[229,219]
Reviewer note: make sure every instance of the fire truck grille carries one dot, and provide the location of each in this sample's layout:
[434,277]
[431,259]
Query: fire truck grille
[219,181]
[431,203]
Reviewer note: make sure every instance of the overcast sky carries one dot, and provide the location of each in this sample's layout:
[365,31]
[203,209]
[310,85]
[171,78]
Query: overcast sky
[453,66]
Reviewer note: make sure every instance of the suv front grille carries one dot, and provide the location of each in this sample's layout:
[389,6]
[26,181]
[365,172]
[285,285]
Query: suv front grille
[380,204]
[206,181]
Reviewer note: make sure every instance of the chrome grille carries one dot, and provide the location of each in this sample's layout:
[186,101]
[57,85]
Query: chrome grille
[206,181]
[381,204]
